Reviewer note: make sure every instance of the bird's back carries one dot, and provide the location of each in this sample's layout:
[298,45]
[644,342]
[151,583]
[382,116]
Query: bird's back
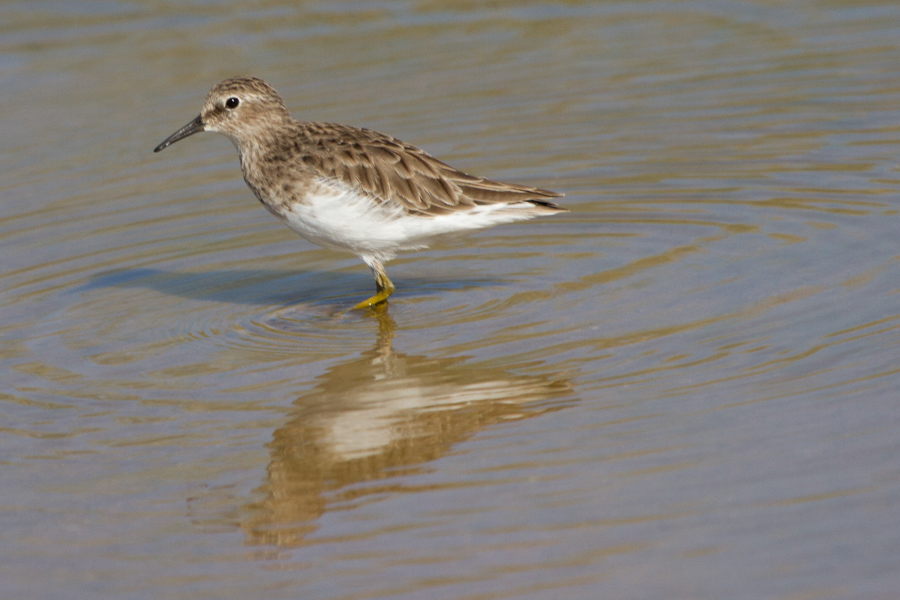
[394,172]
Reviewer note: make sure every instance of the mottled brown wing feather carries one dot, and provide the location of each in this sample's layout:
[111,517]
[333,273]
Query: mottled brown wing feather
[394,171]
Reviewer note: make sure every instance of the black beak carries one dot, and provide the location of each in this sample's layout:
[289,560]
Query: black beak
[195,126]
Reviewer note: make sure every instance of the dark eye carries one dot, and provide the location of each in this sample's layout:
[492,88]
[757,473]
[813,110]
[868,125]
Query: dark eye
[232,102]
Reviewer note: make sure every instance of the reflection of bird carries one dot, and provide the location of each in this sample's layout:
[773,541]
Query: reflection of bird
[377,417]
[353,189]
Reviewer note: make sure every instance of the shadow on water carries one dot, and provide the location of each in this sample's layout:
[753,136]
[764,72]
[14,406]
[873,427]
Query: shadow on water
[259,286]
[371,420]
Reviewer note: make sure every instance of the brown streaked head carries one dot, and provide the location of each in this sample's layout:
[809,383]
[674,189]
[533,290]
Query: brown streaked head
[239,107]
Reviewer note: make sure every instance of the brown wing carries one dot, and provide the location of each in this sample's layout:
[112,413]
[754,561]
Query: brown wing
[394,171]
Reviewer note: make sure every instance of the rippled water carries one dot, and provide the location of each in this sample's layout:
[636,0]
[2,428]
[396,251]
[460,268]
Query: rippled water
[684,388]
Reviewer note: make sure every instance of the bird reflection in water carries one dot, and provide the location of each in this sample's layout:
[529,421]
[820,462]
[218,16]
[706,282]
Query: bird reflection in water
[374,419]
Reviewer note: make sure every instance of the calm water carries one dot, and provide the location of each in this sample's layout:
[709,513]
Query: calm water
[686,388]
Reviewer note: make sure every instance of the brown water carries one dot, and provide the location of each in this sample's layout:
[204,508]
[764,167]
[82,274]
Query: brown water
[686,388]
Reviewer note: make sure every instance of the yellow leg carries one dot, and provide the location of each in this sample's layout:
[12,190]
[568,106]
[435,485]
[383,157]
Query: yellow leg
[384,287]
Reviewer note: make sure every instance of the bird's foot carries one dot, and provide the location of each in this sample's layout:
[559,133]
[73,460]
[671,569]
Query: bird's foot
[375,300]
[384,287]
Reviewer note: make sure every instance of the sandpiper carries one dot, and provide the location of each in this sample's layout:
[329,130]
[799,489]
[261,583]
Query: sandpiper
[350,188]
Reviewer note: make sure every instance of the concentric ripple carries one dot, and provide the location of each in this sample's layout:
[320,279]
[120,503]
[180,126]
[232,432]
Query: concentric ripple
[684,388]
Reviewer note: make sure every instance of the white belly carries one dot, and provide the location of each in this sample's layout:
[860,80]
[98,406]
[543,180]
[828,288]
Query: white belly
[335,216]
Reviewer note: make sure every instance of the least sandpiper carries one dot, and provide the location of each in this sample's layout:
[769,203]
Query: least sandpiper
[350,188]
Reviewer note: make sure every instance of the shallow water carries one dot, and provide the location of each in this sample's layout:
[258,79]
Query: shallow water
[684,388]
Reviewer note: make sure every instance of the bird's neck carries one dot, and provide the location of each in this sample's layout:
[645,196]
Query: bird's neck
[254,143]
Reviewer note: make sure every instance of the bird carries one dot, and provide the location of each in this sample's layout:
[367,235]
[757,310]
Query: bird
[350,188]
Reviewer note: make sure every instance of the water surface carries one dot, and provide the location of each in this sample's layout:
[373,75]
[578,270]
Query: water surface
[684,388]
